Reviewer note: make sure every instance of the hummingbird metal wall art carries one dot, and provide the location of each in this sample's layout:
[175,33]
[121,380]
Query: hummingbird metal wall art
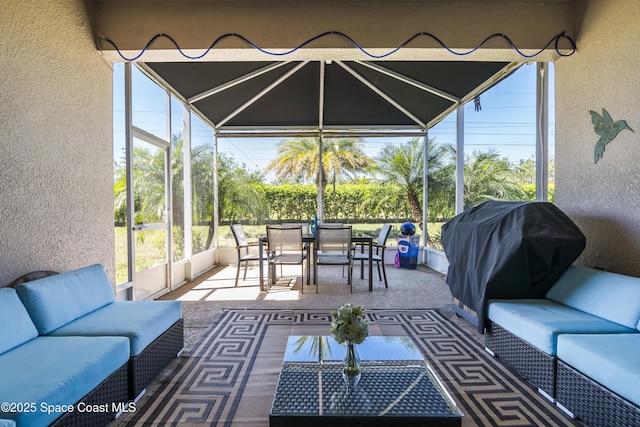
[604,126]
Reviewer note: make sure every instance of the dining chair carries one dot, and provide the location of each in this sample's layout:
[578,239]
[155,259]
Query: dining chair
[334,225]
[303,225]
[285,247]
[243,247]
[332,246]
[306,231]
[378,254]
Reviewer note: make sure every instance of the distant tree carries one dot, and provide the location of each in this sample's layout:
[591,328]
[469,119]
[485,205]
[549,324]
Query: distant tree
[149,167]
[297,160]
[148,185]
[202,196]
[343,157]
[403,165]
[442,186]
[526,170]
[238,196]
[177,183]
[488,177]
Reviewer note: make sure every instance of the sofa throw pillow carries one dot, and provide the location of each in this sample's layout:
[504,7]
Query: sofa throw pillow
[54,301]
[16,326]
[611,296]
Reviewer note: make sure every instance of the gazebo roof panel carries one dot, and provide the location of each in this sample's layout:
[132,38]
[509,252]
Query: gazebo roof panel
[387,94]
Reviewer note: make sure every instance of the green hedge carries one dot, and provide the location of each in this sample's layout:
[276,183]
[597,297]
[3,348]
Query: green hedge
[353,202]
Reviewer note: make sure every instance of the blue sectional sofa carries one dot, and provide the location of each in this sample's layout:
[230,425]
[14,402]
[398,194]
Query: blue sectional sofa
[51,379]
[580,345]
[68,335]
[82,303]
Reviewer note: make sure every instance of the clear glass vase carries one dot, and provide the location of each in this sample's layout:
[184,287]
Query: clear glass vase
[351,361]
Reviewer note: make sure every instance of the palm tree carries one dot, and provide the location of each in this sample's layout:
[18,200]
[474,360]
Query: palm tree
[149,181]
[487,177]
[148,185]
[403,165]
[202,198]
[149,190]
[177,183]
[297,159]
[442,184]
[343,157]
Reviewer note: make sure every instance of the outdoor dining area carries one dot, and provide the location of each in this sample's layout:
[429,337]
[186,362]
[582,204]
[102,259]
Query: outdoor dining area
[311,246]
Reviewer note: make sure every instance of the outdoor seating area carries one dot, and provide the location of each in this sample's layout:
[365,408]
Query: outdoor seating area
[202,201]
[408,290]
[327,244]
[218,312]
[578,345]
[72,346]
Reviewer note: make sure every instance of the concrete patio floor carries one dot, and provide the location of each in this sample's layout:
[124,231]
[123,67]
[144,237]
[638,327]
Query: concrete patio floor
[204,299]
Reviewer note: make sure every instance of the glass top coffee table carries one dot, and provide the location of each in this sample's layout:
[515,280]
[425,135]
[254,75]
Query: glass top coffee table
[396,386]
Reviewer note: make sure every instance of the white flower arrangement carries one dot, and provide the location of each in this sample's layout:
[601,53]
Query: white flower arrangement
[349,325]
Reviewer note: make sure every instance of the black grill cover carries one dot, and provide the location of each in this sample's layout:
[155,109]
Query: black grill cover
[508,250]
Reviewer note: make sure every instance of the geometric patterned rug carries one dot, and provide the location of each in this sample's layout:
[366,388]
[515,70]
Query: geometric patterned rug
[229,377]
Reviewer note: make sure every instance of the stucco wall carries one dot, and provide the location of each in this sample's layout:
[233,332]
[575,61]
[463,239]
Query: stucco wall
[56,161]
[603,198]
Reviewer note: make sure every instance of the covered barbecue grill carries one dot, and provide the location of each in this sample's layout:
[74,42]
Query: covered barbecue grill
[508,250]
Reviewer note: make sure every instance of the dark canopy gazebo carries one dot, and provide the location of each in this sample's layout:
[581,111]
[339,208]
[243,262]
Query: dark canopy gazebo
[327,95]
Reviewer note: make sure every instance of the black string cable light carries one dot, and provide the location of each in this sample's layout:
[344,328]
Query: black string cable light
[555,41]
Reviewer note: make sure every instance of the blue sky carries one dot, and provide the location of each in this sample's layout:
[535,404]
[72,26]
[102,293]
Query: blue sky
[505,123]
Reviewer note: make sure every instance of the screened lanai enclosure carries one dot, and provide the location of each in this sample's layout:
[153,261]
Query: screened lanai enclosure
[174,182]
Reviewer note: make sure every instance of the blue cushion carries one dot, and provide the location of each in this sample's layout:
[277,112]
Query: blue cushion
[57,371]
[57,300]
[539,321]
[612,296]
[16,326]
[141,321]
[611,360]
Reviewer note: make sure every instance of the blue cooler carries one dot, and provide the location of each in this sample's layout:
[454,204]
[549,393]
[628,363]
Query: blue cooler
[408,245]
[408,251]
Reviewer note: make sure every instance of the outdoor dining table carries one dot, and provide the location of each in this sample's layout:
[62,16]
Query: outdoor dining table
[310,239]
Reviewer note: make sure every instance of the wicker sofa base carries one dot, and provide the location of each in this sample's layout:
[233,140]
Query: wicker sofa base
[147,365]
[591,402]
[535,365]
[111,395]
